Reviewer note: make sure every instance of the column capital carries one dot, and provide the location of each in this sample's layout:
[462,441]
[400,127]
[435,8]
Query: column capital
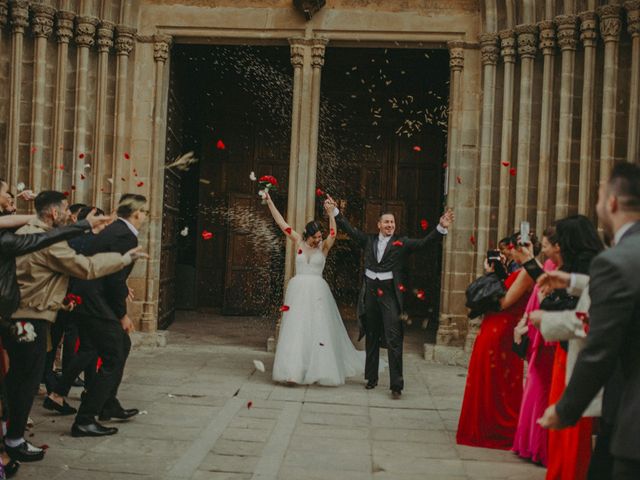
[297,46]
[64,22]
[105,35]
[42,19]
[567,31]
[589,28]
[19,15]
[547,37]
[526,35]
[85,30]
[125,39]
[489,50]
[4,12]
[161,47]
[610,22]
[318,47]
[633,17]
[456,54]
[508,46]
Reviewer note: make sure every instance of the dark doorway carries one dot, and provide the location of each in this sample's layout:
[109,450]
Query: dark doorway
[382,147]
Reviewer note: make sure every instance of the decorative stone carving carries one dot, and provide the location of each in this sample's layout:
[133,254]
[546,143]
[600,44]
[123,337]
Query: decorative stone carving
[456,55]
[633,17]
[4,12]
[125,39]
[42,20]
[64,22]
[317,52]
[610,22]
[85,30]
[547,37]
[567,31]
[309,7]
[19,15]
[489,50]
[527,44]
[297,52]
[161,46]
[508,46]
[589,28]
[105,36]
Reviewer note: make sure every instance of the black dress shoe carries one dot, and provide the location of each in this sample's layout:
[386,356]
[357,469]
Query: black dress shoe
[25,452]
[10,469]
[371,385]
[92,430]
[64,409]
[121,414]
[395,394]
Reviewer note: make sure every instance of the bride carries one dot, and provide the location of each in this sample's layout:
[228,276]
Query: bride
[313,344]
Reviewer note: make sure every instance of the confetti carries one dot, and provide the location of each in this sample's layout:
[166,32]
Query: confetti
[288,230]
[81,156]
[82,176]
[424,224]
[184,232]
[417,148]
[505,164]
[332,233]
[87,166]
[397,243]
[445,165]
[66,194]
[472,239]
[126,156]
[252,177]
[459,180]
[21,186]
[61,167]
[380,292]
[582,316]
[249,404]
[34,149]
[319,192]
[402,288]
[140,184]
[259,365]
[73,187]
[420,295]
[285,308]
[123,179]
[207,235]
[512,172]
[321,344]
[220,145]
[299,251]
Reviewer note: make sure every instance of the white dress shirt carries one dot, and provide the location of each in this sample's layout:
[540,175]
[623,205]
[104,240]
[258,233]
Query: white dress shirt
[133,229]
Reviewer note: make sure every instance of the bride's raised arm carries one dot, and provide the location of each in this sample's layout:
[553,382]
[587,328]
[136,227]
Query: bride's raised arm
[333,228]
[282,223]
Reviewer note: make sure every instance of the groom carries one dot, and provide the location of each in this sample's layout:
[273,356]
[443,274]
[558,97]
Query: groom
[380,299]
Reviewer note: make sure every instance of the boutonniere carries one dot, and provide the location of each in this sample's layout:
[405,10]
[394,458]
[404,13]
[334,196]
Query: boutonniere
[397,243]
[24,332]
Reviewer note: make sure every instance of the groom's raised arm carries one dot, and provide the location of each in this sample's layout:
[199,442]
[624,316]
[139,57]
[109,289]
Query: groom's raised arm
[433,236]
[359,237]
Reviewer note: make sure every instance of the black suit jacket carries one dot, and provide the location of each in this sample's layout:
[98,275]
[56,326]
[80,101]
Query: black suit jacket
[614,339]
[106,297]
[393,259]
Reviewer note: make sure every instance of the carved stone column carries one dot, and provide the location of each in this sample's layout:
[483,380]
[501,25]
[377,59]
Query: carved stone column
[508,53]
[125,41]
[317,62]
[610,27]
[567,39]
[161,46]
[589,38]
[548,47]
[527,46]
[105,44]
[633,27]
[452,309]
[490,53]
[85,32]
[42,25]
[19,20]
[64,34]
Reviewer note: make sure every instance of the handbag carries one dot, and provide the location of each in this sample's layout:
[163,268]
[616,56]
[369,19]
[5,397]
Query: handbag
[484,294]
[559,300]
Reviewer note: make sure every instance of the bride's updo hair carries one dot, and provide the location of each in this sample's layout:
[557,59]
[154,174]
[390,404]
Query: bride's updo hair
[311,229]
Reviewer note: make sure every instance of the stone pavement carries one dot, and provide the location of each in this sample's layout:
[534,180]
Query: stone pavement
[208,414]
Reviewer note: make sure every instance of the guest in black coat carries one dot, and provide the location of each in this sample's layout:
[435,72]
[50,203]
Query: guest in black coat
[614,322]
[103,320]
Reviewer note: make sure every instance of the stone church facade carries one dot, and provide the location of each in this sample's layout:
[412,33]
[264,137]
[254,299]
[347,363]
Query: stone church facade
[544,98]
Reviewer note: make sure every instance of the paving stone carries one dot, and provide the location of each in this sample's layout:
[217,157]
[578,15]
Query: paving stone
[229,463]
[237,447]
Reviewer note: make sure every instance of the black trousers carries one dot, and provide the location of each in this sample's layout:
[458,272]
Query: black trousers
[84,360]
[65,330]
[113,345]
[601,464]
[26,364]
[383,318]
[624,469]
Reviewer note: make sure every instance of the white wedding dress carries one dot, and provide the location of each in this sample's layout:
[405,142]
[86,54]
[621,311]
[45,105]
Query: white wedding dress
[313,344]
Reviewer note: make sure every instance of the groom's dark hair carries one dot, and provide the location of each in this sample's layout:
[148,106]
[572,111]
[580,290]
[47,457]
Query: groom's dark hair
[385,212]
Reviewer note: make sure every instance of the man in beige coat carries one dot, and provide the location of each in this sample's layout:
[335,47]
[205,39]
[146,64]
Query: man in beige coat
[43,277]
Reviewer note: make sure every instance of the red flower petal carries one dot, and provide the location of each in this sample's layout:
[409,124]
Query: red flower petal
[397,243]
[459,180]
[73,187]
[380,292]
[402,288]
[123,179]
[34,149]
[140,184]
[332,232]
[417,148]
[319,192]
[287,230]
[445,165]
[127,156]
[220,145]
[424,224]
[420,295]
[583,316]
[299,251]
[206,235]
[472,239]
[61,167]
[505,164]
[285,308]
[81,156]
[511,246]
[66,194]
[249,404]
[44,446]
[512,172]
[82,177]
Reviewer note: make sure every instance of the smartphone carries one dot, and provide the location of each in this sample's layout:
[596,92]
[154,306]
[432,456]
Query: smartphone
[493,255]
[525,229]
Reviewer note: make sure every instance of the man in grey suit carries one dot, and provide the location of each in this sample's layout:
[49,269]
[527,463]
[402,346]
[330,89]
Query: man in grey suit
[614,322]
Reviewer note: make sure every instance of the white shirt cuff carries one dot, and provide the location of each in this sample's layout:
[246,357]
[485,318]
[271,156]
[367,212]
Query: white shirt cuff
[572,282]
[442,230]
[335,211]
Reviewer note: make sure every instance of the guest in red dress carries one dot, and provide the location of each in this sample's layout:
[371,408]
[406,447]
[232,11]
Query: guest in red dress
[493,392]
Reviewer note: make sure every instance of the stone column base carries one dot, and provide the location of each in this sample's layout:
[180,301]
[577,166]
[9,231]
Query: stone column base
[149,340]
[446,355]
